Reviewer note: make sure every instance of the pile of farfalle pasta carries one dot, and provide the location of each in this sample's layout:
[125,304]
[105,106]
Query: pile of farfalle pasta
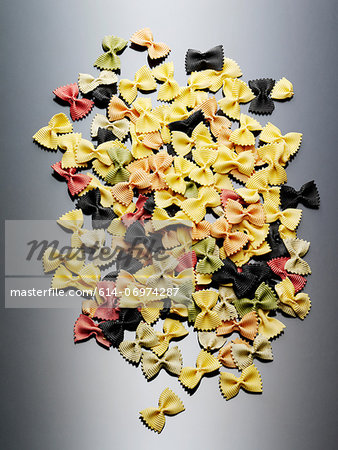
[193,226]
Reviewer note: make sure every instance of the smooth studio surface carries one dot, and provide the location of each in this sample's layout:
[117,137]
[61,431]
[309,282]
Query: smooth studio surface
[61,396]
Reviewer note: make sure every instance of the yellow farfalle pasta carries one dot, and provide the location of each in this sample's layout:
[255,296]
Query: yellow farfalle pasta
[205,363]
[172,329]
[236,92]
[169,404]
[170,89]
[147,122]
[227,160]
[200,138]
[48,136]
[143,80]
[291,303]
[291,141]
[207,319]
[243,135]
[69,144]
[282,89]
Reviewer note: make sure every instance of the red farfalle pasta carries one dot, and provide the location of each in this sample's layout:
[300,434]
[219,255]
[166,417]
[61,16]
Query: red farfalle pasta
[79,107]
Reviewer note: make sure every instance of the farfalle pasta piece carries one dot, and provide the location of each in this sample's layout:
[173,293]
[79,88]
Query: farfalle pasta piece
[159,163]
[119,128]
[187,122]
[172,329]
[48,136]
[224,355]
[271,194]
[269,326]
[170,89]
[291,141]
[274,173]
[139,214]
[113,330]
[297,248]
[76,182]
[210,341]
[282,90]
[224,308]
[250,380]
[143,81]
[236,213]
[204,157]
[244,355]
[166,198]
[84,280]
[87,83]
[147,122]
[233,241]
[69,144]
[110,60]
[207,319]
[217,123]
[247,326]
[73,220]
[277,265]
[217,78]
[205,363]
[195,208]
[290,217]
[196,60]
[242,281]
[143,144]
[236,92]
[85,151]
[139,178]
[169,404]
[307,195]
[90,204]
[207,250]
[200,138]
[171,361]
[120,157]
[164,115]
[262,103]
[243,135]
[79,107]
[294,305]
[86,328]
[264,299]
[107,198]
[145,38]
[244,255]
[145,337]
[193,95]
[73,259]
[227,161]
[118,110]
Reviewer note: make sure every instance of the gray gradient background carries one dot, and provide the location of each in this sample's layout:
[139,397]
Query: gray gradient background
[58,396]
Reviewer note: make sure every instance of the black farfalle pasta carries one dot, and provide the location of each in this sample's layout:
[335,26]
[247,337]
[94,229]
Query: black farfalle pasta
[211,59]
[104,135]
[275,242]
[243,282]
[90,204]
[102,95]
[135,235]
[187,125]
[307,195]
[150,204]
[262,103]
[113,330]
